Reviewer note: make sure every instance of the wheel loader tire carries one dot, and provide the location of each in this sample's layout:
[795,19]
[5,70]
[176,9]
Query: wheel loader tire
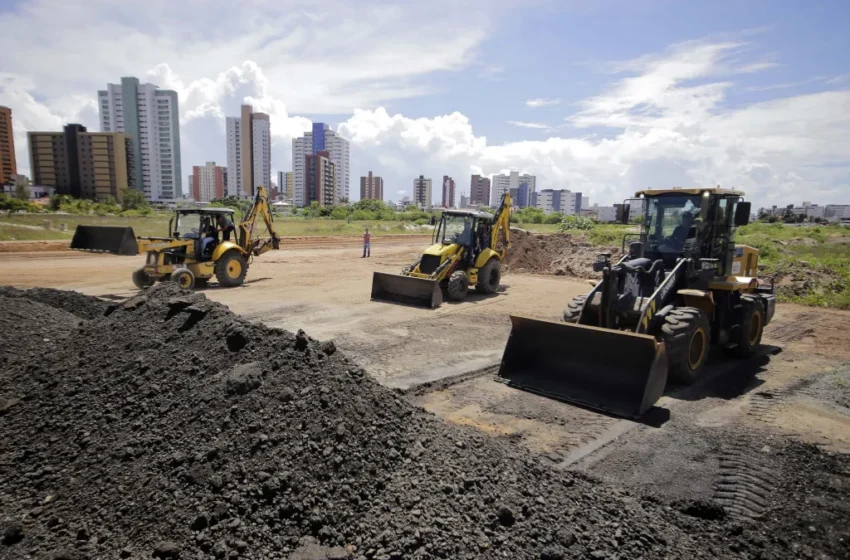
[489,277]
[752,327]
[184,278]
[572,312]
[458,286]
[686,333]
[230,269]
[142,279]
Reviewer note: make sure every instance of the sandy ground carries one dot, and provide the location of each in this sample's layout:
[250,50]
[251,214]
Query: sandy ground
[323,287]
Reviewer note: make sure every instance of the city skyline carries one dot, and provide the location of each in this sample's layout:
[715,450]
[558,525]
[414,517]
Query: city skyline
[665,105]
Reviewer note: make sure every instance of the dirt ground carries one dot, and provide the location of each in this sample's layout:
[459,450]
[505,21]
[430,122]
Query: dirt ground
[728,440]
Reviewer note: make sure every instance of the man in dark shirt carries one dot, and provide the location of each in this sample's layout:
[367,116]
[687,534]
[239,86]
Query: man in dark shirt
[225,225]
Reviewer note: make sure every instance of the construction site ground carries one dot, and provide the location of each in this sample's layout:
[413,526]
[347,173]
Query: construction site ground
[733,439]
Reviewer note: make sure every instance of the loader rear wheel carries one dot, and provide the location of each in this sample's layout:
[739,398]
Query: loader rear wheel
[489,277]
[184,278]
[230,269]
[458,286]
[686,333]
[142,279]
[751,327]
[572,312]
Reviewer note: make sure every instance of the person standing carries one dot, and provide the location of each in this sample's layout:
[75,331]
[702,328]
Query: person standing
[225,225]
[367,244]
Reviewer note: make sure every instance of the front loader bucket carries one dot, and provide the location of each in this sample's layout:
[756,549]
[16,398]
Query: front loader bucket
[618,372]
[406,289]
[105,239]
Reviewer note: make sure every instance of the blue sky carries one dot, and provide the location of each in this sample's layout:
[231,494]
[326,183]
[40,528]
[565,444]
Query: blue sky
[751,94]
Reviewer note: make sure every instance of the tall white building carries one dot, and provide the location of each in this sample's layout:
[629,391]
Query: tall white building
[149,117]
[262,150]
[249,153]
[511,183]
[422,192]
[234,156]
[559,200]
[321,139]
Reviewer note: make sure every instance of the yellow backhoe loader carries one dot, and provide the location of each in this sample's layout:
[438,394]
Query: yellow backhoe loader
[467,250]
[193,252]
[683,286]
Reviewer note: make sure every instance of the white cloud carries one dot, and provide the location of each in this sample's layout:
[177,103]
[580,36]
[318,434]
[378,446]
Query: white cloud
[528,124]
[541,102]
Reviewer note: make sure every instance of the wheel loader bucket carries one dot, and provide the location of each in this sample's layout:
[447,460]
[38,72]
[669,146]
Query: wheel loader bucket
[406,289]
[105,239]
[618,372]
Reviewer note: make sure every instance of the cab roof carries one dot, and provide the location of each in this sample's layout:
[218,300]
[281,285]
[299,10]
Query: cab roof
[212,211]
[690,190]
[469,213]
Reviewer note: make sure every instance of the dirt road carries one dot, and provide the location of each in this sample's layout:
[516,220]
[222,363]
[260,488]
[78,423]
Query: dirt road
[324,288]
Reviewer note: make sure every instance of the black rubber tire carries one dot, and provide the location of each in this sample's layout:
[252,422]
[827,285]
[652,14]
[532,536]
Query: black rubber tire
[184,278]
[458,286]
[230,269]
[489,277]
[142,279]
[572,311]
[751,329]
[686,333]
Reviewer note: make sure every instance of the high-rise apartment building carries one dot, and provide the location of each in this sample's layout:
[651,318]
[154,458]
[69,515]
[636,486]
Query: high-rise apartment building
[448,192]
[320,179]
[208,182]
[510,183]
[479,190]
[288,186]
[559,200]
[464,201]
[8,164]
[422,192]
[149,117]
[371,187]
[83,164]
[320,138]
[249,152]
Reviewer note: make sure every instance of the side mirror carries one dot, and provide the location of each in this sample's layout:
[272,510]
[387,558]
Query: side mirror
[742,214]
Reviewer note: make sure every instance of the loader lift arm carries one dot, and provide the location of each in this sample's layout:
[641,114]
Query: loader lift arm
[259,208]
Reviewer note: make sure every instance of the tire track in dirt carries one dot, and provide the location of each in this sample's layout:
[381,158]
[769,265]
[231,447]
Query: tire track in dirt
[745,483]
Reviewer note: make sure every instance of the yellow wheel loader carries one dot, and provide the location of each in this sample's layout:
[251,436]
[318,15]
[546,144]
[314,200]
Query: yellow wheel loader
[193,252]
[467,250]
[682,287]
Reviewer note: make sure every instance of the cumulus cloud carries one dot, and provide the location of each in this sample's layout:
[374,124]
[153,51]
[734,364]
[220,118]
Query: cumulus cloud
[541,102]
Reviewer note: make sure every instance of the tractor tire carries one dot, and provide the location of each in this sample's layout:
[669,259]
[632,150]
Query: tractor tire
[184,278]
[686,333]
[751,329]
[142,279]
[572,312]
[489,277]
[230,269]
[458,286]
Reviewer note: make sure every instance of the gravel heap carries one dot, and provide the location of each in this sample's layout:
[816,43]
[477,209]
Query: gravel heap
[168,427]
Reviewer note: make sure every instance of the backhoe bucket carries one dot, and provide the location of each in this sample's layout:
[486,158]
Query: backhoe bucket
[105,239]
[618,372]
[406,289]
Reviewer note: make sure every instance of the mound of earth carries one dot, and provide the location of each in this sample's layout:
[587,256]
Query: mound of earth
[557,253]
[799,279]
[168,427]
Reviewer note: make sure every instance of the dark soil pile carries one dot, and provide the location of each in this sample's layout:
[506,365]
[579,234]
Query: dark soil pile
[557,253]
[800,278]
[170,428]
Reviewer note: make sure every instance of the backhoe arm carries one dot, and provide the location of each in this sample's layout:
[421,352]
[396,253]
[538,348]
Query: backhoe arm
[259,207]
[502,223]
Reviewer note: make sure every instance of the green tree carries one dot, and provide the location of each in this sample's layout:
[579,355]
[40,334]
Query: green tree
[131,199]
[21,191]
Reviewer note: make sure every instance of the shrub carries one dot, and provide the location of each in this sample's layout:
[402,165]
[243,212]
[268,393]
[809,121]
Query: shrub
[573,222]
